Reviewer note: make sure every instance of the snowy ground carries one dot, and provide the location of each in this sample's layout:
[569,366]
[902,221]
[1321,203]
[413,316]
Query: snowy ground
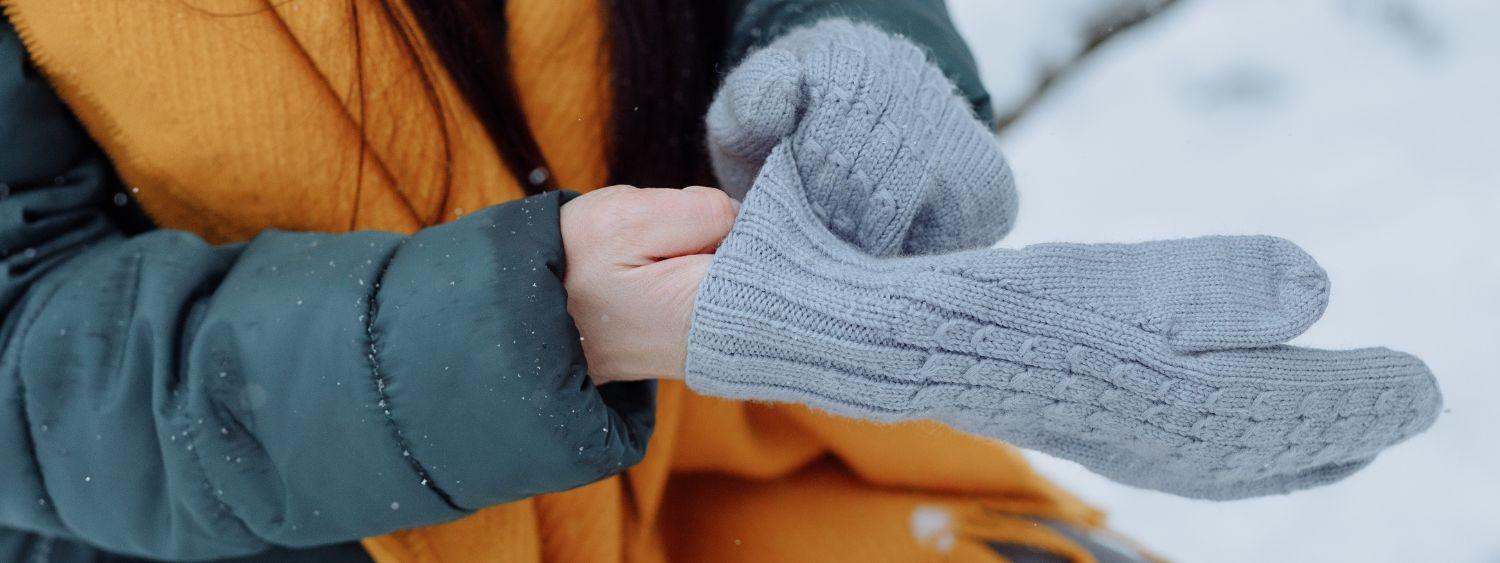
[1367,131]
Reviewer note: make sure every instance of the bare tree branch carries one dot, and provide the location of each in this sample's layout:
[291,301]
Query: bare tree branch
[1110,26]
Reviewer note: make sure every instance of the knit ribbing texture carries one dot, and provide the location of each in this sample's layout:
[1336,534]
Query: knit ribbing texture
[1159,364]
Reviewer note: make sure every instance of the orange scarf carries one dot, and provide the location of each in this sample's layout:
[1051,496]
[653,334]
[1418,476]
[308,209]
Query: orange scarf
[228,117]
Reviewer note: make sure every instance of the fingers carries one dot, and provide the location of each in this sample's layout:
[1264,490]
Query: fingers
[1209,293]
[1394,387]
[666,223]
[1370,394]
[892,158]
[625,226]
[1335,405]
[973,202]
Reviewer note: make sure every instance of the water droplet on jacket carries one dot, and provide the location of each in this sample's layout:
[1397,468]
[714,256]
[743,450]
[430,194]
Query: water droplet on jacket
[87,479]
[395,506]
[224,431]
[253,396]
[29,253]
[121,199]
[44,428]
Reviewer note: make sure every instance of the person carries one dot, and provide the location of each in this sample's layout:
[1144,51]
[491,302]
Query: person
[299,281]
[260,301]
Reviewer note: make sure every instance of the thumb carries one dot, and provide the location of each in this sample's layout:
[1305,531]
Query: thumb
[757,106]
[690,221]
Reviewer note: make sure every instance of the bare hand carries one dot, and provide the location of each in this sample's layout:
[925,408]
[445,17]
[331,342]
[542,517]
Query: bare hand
[635,258]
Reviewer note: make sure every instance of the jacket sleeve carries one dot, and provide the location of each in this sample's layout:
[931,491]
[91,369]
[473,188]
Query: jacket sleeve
[167,398]
[21,547]
[754,23]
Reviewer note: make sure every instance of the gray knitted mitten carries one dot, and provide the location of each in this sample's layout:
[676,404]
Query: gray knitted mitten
[895,160]
[1157,364]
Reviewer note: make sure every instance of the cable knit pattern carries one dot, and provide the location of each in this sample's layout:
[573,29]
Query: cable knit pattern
[887,143]
[1158,364]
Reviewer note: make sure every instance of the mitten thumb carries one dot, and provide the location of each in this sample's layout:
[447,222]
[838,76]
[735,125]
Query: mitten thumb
[759,104]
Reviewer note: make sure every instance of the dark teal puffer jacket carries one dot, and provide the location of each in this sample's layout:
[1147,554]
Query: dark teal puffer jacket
[165,398]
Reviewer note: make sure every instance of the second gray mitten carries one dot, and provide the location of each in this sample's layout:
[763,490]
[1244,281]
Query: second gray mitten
[895,160]
[1154,364]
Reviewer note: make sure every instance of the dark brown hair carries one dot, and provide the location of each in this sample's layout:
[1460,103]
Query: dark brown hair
[663,55]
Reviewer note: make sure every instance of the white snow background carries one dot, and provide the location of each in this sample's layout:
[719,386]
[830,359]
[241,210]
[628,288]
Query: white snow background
[1367,131]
